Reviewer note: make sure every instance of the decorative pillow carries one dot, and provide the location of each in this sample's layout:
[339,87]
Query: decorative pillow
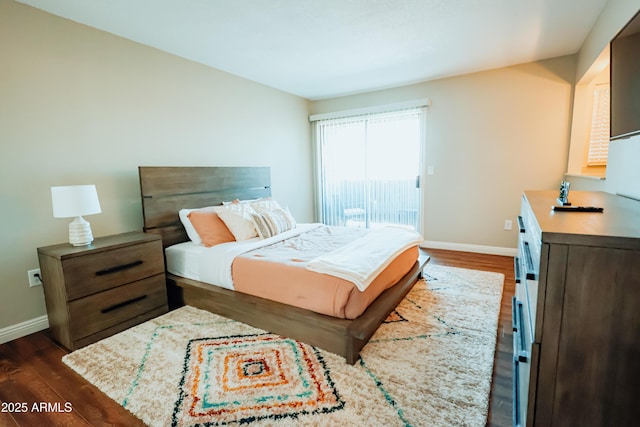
[237,217]
[270,223]
[210,228]
[186,222]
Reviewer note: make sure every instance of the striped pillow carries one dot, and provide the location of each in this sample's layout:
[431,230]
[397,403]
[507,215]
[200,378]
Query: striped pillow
[270,223]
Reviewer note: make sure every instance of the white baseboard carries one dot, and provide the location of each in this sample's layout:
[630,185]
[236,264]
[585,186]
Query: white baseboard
[25,328]
[463,247]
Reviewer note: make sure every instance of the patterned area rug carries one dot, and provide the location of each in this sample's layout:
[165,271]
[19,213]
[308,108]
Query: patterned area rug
[430,364]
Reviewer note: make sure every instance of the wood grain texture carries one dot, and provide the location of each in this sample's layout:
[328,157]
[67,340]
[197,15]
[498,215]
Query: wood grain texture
[540,405]
[103,270]
[103,287]
[599,339]
[109,308]
[617,226]
[170,181]
[39,354]
[584,366]
[39,359]
[166,190]
[25,390]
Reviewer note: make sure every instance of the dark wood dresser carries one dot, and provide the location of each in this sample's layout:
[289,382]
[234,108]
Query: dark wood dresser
[95,291]
[576,312]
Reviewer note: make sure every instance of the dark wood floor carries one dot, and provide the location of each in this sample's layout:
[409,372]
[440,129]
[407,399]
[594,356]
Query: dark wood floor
[31,370]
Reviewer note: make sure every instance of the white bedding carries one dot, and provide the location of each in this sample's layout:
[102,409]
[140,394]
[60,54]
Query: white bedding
[362,260]
[213,265]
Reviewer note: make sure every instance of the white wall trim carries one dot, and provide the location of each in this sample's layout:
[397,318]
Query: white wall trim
[22,329]
[463,247]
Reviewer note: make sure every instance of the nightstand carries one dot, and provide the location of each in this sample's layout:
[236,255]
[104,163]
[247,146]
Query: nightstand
[95,291]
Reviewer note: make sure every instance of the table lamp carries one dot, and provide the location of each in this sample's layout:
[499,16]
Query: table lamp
[74,201]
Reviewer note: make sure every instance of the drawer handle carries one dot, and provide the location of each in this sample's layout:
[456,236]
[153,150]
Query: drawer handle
[516,394]
[122,304]
[514,314]
[516,269]
[521,224]
[531,275]
[522,350]
[118,268]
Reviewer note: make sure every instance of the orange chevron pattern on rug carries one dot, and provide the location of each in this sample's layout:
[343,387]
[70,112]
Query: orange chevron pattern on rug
[244,378]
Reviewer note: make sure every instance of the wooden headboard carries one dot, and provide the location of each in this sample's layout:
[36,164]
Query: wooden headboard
[166,190]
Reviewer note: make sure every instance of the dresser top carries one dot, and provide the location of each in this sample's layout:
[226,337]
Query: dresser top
[66,250]
[617,226]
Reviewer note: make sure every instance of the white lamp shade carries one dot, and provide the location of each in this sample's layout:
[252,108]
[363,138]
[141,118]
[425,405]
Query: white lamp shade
[74,200]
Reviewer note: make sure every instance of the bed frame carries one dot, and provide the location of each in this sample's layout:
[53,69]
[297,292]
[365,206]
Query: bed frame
[166,190]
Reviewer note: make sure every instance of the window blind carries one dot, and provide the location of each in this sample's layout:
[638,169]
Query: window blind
[599,137]
[367,168]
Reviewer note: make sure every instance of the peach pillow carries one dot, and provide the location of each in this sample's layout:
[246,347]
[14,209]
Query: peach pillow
[210,228]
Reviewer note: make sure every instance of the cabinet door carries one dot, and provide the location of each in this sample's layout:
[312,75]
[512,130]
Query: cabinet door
[553,270]
[598,363]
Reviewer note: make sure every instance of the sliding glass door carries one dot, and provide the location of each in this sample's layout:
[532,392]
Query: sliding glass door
[369,169]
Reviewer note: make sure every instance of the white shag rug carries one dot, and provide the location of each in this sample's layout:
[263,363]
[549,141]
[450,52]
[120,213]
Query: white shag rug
[429,364]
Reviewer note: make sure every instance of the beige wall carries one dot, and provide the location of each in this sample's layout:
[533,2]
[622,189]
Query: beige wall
[80,106]
[490,135]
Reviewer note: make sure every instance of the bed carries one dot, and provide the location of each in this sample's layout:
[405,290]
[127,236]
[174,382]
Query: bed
[167,190]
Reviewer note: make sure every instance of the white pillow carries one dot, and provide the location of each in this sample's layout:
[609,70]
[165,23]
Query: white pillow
[191,231]
[237,218]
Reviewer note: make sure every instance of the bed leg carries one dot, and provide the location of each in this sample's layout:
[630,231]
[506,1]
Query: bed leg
[352,359]
[352,350]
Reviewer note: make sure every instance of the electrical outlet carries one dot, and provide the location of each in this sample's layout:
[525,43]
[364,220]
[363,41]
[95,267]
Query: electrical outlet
[508,224]
[35,279]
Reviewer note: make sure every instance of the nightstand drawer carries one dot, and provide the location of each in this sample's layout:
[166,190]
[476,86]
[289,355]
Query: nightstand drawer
[103,270]
[101,311]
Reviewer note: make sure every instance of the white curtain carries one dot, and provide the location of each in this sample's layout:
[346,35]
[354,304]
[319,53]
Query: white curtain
[368,168]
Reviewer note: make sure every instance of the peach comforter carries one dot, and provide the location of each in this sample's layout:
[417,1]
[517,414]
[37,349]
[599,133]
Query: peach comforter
[277,269]
[278,272]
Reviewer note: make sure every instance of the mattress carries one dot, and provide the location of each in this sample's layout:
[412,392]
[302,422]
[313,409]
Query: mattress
[276,270]
[183,259]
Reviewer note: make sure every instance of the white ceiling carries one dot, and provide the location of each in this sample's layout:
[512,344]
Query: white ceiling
[325,48]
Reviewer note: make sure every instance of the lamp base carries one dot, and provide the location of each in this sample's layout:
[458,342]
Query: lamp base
[80,232]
